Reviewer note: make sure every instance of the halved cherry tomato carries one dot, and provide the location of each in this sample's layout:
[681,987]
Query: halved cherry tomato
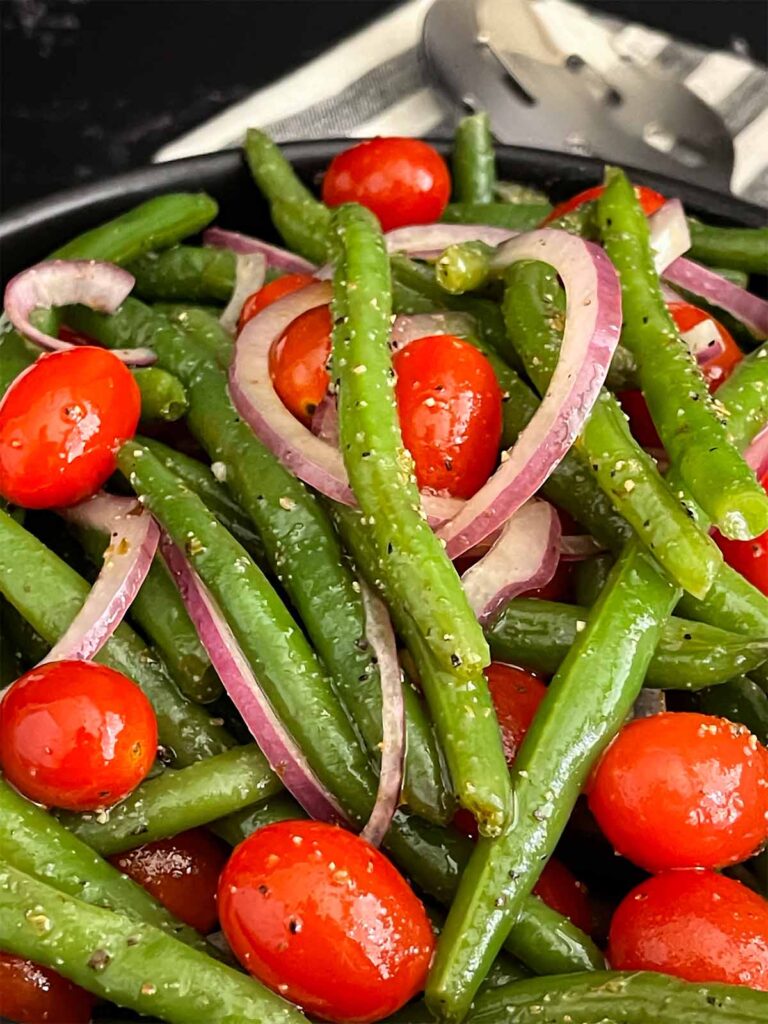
[182,873]
[650,201]
[682,790]
[516,697]
[695,924]
[297,362]
[640,423]
[749,557]
[449,403]
[561,890]
[270,293]
[402,181]
[31,994]
[76,734]
[320,916]
[61,422]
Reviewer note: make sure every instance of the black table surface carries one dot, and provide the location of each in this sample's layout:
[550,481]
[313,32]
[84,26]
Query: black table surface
[90,88]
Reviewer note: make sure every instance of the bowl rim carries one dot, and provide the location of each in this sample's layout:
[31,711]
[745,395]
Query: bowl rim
[152,179]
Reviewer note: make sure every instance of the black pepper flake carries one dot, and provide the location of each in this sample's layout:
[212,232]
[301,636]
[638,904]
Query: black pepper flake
[455,660]
[687,636]
[448,463]
[311,408]
[263,889]
[99,959]
[645,319]
[293,926]
[390,548]
[365,455]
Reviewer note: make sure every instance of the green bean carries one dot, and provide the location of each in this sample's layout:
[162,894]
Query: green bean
[34,842]
[238,826]
[159,612]
[130,963]
[538,634]
[200,479]
[11,665]
[185,272]
[738,277]
[178,800]
[474,160]
[625,472]
[295,531]
[739,700]
[692,429]
[517,192]
[589,578]
[745,396]
[163,398]
[301,219]
[514,217]
[154,224]
[48,593]
[282,660]
[735,248]
[173,309]
[16,355]
[411,558]
[637,997]
[585,705]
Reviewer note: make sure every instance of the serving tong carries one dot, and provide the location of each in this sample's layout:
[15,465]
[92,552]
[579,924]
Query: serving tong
[495,55]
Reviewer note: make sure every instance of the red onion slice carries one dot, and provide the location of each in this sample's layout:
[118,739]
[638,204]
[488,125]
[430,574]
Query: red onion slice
[750,309]
[670,236]
[133,538]
[381,637]
[427,241]
[756,453]
[101,286]
[411,327]
[277,745]
[280,259]
[580,546]
[325,422]
[250,269]
[592,327]
[523,558]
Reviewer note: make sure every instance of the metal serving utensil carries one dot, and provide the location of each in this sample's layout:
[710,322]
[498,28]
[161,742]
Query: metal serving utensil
[495,55]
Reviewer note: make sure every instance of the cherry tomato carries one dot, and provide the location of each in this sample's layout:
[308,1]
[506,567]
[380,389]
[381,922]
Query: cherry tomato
[682,790]
[61,422]
[650,201]
[697,925]
[562,891]
[270,293]
[402,181]
[320,916]
[640,423]
[76,734]
[449,403]
[182,873]
[516,697]
[749,557]
[718,369]
[297,362]
[32,994]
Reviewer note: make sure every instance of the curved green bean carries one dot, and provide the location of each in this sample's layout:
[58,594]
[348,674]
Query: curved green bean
[745,395]
[126,961]
[163,398]
[694,432]
[739,700]
[734,248]
[512,216]
[185,272]
[474,160]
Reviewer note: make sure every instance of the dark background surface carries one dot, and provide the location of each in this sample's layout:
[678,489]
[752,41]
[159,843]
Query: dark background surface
[90,88]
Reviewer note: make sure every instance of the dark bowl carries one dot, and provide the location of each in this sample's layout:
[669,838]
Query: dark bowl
[31,232]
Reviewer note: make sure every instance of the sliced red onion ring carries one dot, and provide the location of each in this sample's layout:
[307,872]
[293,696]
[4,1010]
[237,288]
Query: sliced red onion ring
[381,637]
[276,257]
[100,286]
[750,309]
[704,341]
[579,546]
[277,745]
[592,327]
[250,269]
[427,241]
[410,327]
[133,537]
[756,453]
[670,236]
[325,422]
[524,558]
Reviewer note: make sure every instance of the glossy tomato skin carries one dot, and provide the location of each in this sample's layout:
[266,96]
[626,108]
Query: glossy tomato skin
[749,557]
[271,292]
[561,890]
[717,370]
[449,403]
[402,181]
[297,362]
[320,916]
[182,873]
[61,423]
[516,697]
[696,925]
[32,994]
[682,790]
[650,201]
[76,734]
